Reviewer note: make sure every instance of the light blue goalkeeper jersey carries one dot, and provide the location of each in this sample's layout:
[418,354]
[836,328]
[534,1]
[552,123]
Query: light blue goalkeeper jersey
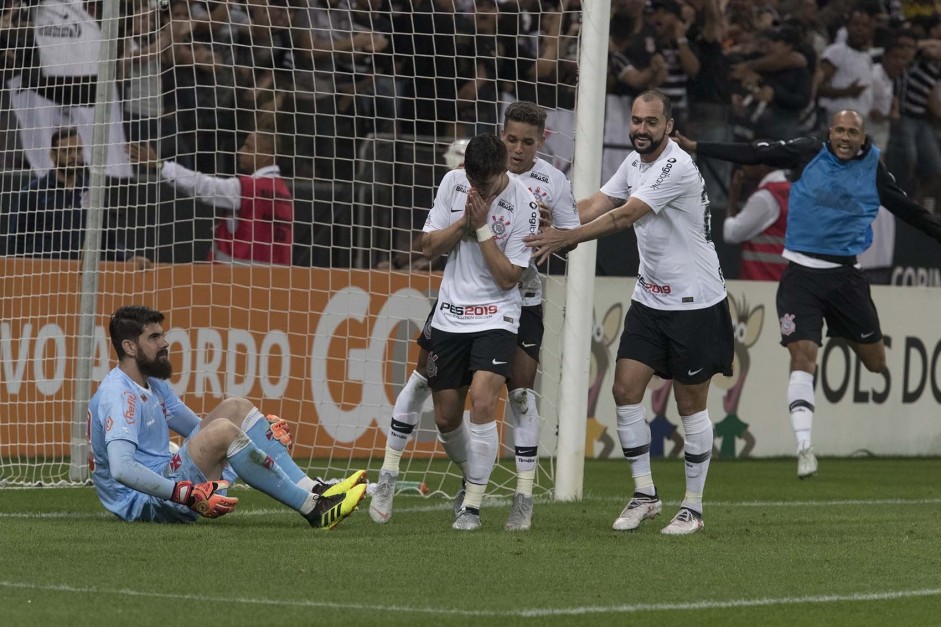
[123,410]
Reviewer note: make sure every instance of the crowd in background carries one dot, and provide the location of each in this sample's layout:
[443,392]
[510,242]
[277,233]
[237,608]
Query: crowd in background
[192,75]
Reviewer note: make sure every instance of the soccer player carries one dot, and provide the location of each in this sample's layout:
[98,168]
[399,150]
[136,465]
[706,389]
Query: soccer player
[523,134]
[834,199]
[129,419]
[678,325]
[480,216]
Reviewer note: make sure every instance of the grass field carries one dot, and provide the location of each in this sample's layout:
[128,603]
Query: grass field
[860,544]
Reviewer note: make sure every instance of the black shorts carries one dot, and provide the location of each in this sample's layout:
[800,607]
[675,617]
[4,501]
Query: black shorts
[455,357]
[529,336]
[841,296]
[424,338]
[689,346]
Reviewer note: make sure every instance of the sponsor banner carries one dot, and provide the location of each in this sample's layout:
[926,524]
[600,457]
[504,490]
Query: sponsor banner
[857,412]
[328,350]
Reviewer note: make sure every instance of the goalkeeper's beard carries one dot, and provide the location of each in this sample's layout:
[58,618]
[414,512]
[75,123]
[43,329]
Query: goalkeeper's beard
[158,368]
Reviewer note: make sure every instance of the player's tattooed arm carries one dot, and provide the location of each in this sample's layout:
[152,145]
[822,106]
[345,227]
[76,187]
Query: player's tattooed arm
[596,205]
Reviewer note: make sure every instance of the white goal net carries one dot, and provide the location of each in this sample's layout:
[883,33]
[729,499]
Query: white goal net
[307,300]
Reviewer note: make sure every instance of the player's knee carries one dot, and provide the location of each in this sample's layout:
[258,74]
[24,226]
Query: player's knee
[221,433]
[626,395]
[875,363]
[482,406]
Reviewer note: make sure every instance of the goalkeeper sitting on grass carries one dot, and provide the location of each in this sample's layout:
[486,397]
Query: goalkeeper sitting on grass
[137,478]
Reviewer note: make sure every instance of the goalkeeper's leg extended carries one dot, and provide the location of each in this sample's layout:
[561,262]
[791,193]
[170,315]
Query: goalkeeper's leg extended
[259,470]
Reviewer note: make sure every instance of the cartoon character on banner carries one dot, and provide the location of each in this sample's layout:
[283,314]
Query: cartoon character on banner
[661,429]
[602,338]
[747,324]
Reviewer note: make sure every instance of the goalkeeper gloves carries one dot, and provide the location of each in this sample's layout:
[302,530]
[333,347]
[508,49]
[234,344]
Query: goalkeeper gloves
[203,499]
[280,430]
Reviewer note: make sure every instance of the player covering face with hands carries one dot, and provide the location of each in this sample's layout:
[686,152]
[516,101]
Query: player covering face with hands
[129,422]
[523,135]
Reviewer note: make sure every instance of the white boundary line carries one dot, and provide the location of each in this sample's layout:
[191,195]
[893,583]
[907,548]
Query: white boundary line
[521,613]
[441,505]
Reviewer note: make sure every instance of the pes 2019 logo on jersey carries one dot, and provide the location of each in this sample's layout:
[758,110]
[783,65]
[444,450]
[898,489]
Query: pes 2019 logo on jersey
[468,311]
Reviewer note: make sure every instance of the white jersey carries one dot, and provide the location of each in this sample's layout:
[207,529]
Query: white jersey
[469,300]
[553,189]
[679,268]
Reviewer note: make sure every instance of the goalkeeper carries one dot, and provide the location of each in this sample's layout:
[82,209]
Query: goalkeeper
[129,422]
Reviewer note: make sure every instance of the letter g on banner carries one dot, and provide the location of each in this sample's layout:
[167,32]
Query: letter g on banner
[363,366]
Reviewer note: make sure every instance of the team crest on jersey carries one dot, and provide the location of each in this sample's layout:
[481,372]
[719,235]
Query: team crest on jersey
[108,423]
[788,325]
[540,193]
[499,226]
[432,366]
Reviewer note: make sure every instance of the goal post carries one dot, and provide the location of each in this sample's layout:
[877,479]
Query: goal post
[326,340]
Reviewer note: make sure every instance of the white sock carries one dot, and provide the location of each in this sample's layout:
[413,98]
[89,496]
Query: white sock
[456,444]
[482,453]
[405,417]
[698,451]
[634,434]
[524,417]
[800,401]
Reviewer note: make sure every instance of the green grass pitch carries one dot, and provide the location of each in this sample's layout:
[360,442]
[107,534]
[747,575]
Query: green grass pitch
[860,544]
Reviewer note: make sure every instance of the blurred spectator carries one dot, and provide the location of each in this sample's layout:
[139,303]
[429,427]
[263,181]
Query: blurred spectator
[51,71]
[345,60]
[780,94]
[634,65]
[556,67]
[681,55]
[913,154]
[256,209]
[847,68]
[425,40]
[487,66]
[885,102]
[760,224]
[145,48]
[710,94]
[806,14]
[201,89]
[48,217]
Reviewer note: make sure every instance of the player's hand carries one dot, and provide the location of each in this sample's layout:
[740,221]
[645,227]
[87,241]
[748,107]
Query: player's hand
[547,242]
[203,499]
[545,215]
[685,142]
[280,430]
[476,209]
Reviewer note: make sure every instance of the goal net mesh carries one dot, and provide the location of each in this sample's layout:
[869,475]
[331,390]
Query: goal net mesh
[360,102]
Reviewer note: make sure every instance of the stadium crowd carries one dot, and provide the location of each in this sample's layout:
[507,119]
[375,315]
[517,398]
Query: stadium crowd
[193,76]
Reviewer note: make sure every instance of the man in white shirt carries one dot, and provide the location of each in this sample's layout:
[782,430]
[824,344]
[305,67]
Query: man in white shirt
[255,223]
[479,218]
[847,68]
[678,325]
[524,134]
